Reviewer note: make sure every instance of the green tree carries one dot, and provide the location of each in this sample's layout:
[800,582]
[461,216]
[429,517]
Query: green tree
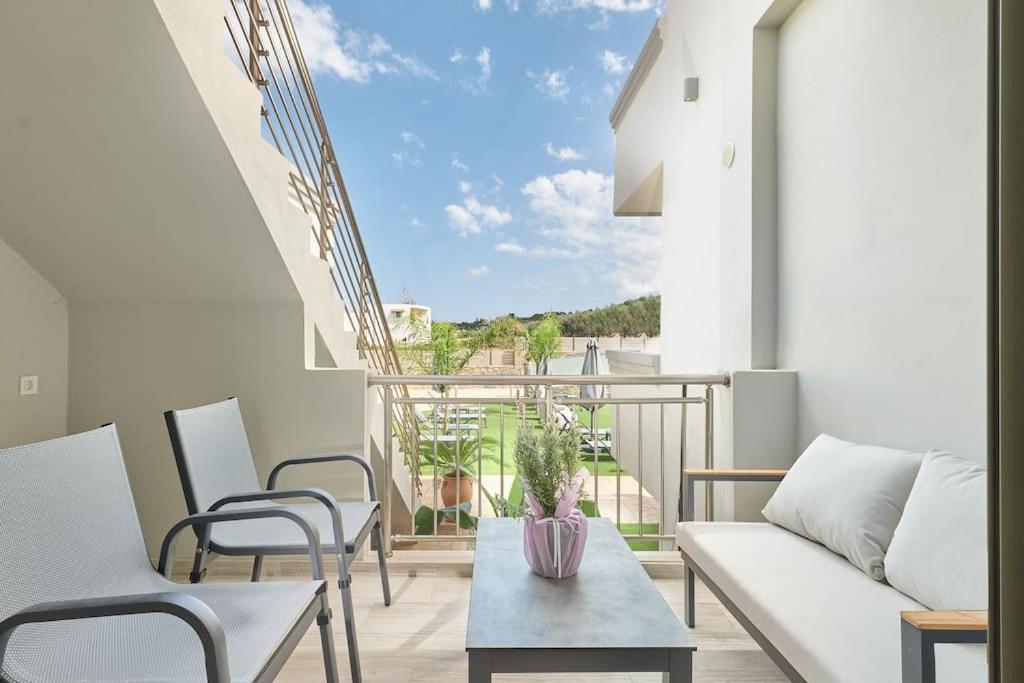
[502,333]
[543,341]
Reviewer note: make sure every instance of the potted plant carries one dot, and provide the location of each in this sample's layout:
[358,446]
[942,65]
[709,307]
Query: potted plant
[454,461]
[555,532]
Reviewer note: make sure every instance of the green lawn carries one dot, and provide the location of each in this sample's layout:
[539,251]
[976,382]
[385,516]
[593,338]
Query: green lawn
[492,459]
[634,528]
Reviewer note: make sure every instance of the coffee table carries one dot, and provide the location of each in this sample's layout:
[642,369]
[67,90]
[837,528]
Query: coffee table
[608,618]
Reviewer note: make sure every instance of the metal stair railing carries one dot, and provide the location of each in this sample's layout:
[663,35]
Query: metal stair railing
[269,52]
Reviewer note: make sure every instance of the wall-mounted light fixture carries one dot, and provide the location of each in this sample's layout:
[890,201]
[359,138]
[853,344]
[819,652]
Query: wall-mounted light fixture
[690,89]
[728,154]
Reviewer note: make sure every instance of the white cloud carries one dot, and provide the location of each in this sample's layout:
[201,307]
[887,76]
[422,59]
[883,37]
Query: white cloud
[458,164]
[603,23]
[349,54]
[512,5]
[483,59]
[461,220]
[472,216]
[614,63]
[479,271]
[488,214]
[552,84]
[465,187]
[412,139]
[563,153]
[403,157]
[409,155]
[416,224]
[572,212]
[511,247]
[478,82]
[483,5]
[553,6]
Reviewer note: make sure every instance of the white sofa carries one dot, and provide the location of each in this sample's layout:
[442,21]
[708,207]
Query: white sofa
[820,617]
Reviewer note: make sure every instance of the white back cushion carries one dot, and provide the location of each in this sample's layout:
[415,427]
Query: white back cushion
[939,553]
[846,496]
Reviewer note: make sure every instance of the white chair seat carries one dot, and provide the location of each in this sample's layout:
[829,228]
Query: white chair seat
[256,619]
[285,537]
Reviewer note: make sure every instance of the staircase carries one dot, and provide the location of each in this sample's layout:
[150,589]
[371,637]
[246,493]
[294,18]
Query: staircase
[274,126]
[168,158]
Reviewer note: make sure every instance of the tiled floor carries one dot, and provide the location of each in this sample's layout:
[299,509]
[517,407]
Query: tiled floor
[421,637]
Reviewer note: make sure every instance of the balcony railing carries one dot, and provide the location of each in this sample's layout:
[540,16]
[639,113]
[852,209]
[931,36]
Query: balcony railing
[262,36]
[645,428]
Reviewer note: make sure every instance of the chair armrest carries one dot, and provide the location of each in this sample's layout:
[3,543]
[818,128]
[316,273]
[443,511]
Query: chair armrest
[692,476]
[921,631]
[202,521]
[315,493]
[312,459]
[189,609]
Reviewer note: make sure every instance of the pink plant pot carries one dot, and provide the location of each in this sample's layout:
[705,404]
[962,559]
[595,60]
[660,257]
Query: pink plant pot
[555,553]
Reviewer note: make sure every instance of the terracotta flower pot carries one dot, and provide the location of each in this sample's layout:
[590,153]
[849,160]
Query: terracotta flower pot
[448,490]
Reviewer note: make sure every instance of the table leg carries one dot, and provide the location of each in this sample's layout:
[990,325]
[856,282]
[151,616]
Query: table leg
[680,668]
[479,667]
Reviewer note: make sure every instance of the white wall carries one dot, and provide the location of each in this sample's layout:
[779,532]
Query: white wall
[33,341]
[130,362]
[847,239]
[882,220]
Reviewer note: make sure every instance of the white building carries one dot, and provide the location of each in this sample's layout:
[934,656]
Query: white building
[408,322]
[823,203]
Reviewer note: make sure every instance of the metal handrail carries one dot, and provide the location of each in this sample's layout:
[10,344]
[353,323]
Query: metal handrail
[719,379]
[269,52]
[390,383]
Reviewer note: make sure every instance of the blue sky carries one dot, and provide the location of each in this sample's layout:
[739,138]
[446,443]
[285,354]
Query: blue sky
[474,139]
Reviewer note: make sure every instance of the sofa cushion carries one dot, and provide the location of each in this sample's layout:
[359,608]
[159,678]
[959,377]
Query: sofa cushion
[846,496]
[939,552]
[829,620]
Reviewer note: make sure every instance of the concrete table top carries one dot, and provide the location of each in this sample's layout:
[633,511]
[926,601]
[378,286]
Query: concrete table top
[609,617]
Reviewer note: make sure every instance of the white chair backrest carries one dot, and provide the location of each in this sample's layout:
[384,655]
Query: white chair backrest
[68,523]
[212,452]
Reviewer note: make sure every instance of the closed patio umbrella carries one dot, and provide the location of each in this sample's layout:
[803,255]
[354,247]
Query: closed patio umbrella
[590,367]
[592,391]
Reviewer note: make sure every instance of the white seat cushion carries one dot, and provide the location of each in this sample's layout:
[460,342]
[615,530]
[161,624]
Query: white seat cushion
[256,617]
[286,535]
[847,496]
[826,617]
[939,553]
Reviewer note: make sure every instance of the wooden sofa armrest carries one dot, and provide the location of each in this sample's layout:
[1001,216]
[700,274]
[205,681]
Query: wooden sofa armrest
[921,631]
[692,476]
[928,620]
[735,475]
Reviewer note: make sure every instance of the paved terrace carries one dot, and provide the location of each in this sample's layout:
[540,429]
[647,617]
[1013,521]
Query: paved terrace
[421,637]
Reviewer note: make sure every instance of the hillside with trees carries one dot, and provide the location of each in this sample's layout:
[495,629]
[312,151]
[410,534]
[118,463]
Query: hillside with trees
[630,319]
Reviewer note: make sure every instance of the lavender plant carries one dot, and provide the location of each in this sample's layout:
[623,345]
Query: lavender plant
[547,463]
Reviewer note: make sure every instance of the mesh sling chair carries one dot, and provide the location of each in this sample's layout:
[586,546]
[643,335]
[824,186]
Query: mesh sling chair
[80,600]
[217,472]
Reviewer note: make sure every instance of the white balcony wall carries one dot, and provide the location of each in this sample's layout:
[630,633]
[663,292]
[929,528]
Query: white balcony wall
[882,176]
[132,361]
[846,240]
[33,342]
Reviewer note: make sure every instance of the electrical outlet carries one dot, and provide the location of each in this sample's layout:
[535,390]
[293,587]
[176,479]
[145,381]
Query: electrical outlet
[29,385]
